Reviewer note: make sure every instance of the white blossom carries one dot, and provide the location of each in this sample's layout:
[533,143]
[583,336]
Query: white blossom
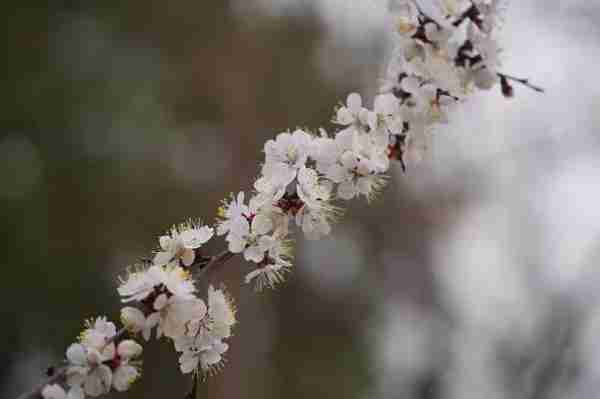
[55,391]
[181,242]
[244,228]
[98,381]
[86,369]
[126,373]
[171,292]
[325,152]
[178,282]
[176,314]
[268,276]
[95,365]
[202,347]
[221,313]
[128,349]
[316,213]
[285,155]
[404,14]
[200,353]
[171,278]
[353,113]
[219,319]
[135,321]
[95,338]
[271,271]
[78,364]
[491,13]
[231,212]
[359,167]
[140,284]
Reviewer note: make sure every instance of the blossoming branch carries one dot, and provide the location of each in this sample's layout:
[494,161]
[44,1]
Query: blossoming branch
[438,60]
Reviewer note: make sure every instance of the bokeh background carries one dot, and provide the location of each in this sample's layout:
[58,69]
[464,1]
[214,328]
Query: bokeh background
[474,275]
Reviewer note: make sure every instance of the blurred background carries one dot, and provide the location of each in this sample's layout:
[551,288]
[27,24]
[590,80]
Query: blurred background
[474,275]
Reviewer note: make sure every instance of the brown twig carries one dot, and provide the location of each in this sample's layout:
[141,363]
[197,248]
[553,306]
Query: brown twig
[214,261]
[524,82]
[193,393]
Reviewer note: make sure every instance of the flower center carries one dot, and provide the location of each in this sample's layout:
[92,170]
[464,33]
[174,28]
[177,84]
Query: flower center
[290,203]
[292,154]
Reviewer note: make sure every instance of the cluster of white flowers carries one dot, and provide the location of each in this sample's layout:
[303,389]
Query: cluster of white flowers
[202,346]
[168,297]
[437,63]
[96,364]
[440,58]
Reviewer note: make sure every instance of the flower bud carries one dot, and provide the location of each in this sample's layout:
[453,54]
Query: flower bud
[133,319]
[94,357]
[129,349]
[53,391]
[76,354]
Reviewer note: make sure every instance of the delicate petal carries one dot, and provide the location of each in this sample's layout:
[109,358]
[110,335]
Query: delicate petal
[236,244]
[162,258]
[165,242]
[188,257]
[133,319]
[54,391]
[337,173]
[354,102]
[346,190]
[177,314]
[98,381]
[129,349]
[261,224]
[105,327]
[151,322]
[178,281]
[222,313]
[344,116]
[364,185]
[76,354]
[209,358]
[124,376]
[254,254]
[386,104]
[194,238]
[188,362]
[94,357]
[76,392]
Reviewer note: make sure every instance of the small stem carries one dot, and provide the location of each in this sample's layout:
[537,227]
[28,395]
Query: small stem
[193,393]
[471,13]
[214,261]
[524,82]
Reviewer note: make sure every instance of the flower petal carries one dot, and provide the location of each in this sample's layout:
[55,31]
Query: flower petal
[354,102]
[76,355]
[124,376]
